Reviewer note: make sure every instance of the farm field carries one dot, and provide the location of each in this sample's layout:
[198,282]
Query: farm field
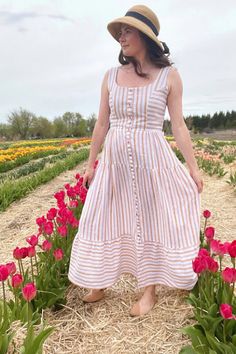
[106,327]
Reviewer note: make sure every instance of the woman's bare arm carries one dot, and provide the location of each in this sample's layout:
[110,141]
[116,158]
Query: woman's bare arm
[179,128]
[102,123]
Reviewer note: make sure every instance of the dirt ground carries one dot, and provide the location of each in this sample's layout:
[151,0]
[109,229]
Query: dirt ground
[106,327]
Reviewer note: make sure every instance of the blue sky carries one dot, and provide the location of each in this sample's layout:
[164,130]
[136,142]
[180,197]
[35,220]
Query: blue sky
[55,53]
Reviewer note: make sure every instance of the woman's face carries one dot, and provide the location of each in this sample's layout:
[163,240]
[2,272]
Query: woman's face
[130,40]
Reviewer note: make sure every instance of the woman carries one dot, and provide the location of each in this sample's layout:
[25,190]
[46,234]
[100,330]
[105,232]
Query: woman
[142,209]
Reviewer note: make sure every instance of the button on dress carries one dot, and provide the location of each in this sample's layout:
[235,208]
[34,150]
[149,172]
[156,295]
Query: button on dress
[142,210]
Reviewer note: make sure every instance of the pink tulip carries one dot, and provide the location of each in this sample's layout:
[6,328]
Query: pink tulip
[46,245]
[58,254]
[51,214]
[206,214]
[213,266]
[31,252]
[199,265]
[203,252]
[219,248]
[41,221]
[229,275]
[226,311]
[62,230]
[20,253]
[33,240]
[232,249]
[16,280]
[11,268]
[48,227]
[3,273]
[29,291]
[209,232]
[73,203]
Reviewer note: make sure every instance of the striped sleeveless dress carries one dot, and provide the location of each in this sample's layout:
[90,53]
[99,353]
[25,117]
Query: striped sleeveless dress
[142,210]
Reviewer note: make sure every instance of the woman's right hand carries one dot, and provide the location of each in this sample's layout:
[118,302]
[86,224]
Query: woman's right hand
[88,176]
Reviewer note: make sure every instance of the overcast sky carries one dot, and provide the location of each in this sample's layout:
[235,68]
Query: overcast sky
[54,53]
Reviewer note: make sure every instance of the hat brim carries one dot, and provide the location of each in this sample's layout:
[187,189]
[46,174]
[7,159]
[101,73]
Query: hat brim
[114,27]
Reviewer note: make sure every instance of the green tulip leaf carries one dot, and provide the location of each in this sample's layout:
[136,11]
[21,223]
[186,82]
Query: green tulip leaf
[40,339]
[198,339]
[187,350]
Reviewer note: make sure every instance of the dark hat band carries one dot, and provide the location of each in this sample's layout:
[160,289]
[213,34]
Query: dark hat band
[143,19]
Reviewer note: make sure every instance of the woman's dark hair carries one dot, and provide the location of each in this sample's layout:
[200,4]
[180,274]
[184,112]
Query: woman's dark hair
[158,56]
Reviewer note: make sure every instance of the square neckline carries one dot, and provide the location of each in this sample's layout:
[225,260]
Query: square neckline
[137,87]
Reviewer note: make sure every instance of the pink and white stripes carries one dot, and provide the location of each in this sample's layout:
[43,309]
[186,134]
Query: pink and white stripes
[142,210]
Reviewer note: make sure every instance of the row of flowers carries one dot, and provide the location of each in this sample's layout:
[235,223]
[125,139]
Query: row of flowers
[38,278]
[213,297]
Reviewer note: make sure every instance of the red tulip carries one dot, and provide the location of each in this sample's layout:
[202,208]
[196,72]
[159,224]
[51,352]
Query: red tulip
[226,311]
[219,248]
[41,221]
[46,245]
[213,266]
[199,264]
[206,214]
[29,291]
[17,253]
[232,249]
[58,254]
[11,268]
[3,273]
[51,214]
[16,280]
[229,275]
[20,253]
[31,252]
[209,232]
[73,203]
[62,230]
[48,227]
[33,240]
[203,252]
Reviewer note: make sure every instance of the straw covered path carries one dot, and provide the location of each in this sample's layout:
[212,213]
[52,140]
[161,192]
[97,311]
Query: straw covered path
[106,327]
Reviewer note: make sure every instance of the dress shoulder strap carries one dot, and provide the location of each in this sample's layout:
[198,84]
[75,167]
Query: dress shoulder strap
[111,77]
[162,82]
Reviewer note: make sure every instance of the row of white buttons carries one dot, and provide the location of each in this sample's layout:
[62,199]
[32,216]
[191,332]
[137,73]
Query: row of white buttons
[130,90]
[134,185]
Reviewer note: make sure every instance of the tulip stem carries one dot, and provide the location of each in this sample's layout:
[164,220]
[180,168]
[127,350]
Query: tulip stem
[28,314]
[32,269]
[36,262]
[4,297]
[16,303]
[22,268]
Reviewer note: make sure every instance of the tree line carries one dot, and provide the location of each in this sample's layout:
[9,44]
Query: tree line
[23,124]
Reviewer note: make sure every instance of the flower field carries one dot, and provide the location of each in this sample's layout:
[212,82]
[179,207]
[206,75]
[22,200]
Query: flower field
[40,309]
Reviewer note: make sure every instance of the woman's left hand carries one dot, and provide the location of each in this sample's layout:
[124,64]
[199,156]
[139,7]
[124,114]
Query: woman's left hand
[196,176]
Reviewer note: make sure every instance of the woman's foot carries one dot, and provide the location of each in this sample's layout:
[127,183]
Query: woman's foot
[144,305]
[94,295]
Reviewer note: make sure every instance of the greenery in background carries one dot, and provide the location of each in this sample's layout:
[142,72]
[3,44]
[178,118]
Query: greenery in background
[33,166]
[23,124]
[15,190]
[10,165]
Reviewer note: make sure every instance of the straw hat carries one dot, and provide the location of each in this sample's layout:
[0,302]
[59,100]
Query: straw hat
[142,18]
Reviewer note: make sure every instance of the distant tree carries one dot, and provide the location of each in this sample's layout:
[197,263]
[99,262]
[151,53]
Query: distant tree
[5,131]
[41,128]
[91,121]
[59,127]
[21,122]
